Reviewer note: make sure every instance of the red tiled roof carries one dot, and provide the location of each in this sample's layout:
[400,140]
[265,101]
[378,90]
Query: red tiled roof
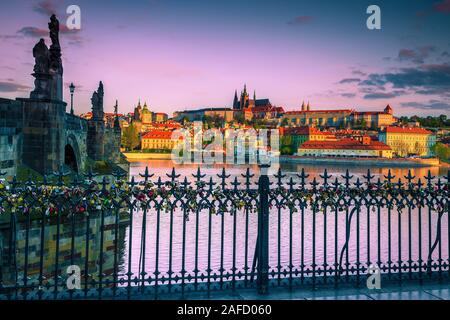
[407,130]
[158,134]
[347,144]
[170,125]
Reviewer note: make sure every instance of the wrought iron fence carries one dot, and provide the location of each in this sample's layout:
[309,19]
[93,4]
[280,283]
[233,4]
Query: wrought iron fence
[155,237]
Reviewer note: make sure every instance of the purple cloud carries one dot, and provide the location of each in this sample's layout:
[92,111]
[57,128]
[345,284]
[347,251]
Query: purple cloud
[384,95]
[431,105]
[33,32]
[350,80]
[416,55]
[12,87]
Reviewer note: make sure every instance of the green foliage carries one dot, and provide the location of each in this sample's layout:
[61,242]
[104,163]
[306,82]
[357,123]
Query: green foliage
[442,151]
[102,167]
[130,137]
[213,122]
[284,122]
[286,145]
[239,118]
[429,122]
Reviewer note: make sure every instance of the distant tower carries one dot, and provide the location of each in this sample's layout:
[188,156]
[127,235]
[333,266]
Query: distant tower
[235,101]
[254,96]
[303,106]
[388,109]
[146,115]
[244,98]
[137,112]
[308,108]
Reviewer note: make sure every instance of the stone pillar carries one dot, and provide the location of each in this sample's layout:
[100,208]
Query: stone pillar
[43,134]
[96,140]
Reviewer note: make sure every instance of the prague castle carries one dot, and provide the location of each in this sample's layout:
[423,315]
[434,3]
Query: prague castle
[339,117]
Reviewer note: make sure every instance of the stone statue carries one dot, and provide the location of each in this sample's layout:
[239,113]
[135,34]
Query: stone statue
[53,26]
[97,103]
[41,57]
[55,49]
[100,90]
[94,101]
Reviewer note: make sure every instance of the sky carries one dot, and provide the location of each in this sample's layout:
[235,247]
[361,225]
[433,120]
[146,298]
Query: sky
[186,54]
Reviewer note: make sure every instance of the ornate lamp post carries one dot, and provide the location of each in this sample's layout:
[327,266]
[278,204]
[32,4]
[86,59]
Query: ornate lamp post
[72,90]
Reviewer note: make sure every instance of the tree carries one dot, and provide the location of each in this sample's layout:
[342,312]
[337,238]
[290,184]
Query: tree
[441,151]
[403,149]
[130,137]
[287,147]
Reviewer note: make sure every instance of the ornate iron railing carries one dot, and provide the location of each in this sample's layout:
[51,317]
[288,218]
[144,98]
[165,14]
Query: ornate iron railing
[155,237]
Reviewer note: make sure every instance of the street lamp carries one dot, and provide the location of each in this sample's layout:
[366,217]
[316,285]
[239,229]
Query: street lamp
[72,90]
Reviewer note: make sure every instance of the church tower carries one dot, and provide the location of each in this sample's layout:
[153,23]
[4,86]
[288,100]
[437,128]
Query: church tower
[303,106]
[388,109]
[137,112]
[244,98]
[235,101]
[146,115]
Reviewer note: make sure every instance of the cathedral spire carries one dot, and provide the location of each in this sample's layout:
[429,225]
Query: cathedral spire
[235,100]
[254,95]
[308,108]
[303,106]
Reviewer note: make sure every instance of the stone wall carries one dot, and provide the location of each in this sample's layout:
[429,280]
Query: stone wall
[11,120]
[97,253]
[112,139]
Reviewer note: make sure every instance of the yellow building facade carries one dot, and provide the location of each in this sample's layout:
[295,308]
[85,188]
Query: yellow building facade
[158,139]
[408,141]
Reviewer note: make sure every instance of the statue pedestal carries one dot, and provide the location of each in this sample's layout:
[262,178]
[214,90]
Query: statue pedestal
[42,86]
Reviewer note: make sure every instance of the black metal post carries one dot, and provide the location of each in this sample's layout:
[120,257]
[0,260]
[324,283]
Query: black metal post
[263,232]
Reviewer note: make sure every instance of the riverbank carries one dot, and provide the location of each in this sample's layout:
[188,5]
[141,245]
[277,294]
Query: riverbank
[375,162]
[147,156]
